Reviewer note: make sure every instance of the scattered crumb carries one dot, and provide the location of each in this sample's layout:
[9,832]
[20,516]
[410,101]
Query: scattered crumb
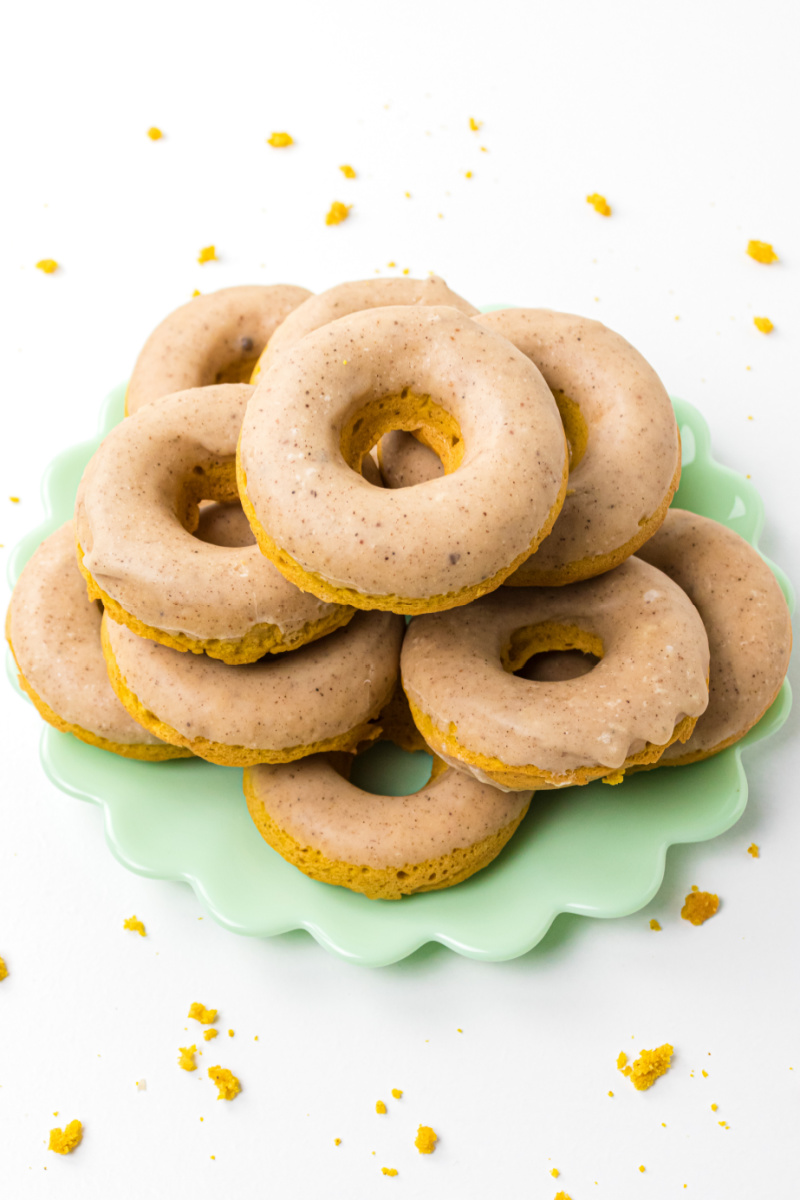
[186,1060]
[380,1107]
[14,499]
[647,1067]
[406,270]
[654,924]
[64,1141]
[641,1169]
[397,1093]
[611,1093]
[468,174]
[204,1015]
[141,1085]
[474,125]
[230,1033]
[699,906]
[704,1073]
[407,195]
[426,1140]
[337,213]
[714,1107]
[724,1124]
[207,254]
[280,140]
[337,1141]
[599,204]
[154,133]
[622,1058]
[752,848]
[197,292]
[555,1172]
[4,975]
[391,264]
[388,1171]
[226,1082]
[763,324]
[762,252]
[48,265]
[209,1034]
[561,1196]
[133,923]
[348,172]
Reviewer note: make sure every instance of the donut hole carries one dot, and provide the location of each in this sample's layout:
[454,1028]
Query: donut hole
[214,479]
[550,652]
[406,412]
[575,428]
[223,525]
[386,769]
[239,371]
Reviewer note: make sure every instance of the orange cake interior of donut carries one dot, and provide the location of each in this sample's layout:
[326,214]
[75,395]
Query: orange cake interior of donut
[575,427]
[409,411]
[547,636]
[240,371]
[214,479]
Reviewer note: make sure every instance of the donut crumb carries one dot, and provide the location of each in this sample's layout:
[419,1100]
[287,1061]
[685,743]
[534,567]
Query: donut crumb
[761,251]
[135,925]
[389,1171]
[227,1083]
[426,1140]
[4,972]
[154,133]
[752,850]
[763,324]
[397,1093]
[380,1107]
[186,1060]
[208,1034]
[198,1012]
[699,906]
[599,204]
[207,254]
[48,265]
[347,171]
[280,140]
[337,213]
[648,1067]
[64,1141]
[654,924]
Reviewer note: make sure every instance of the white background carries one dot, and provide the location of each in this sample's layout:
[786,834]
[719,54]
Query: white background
[684,116]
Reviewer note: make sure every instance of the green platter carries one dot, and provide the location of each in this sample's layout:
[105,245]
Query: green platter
[597,851]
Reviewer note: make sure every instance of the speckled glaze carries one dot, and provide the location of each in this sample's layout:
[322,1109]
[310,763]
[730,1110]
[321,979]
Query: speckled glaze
[317,807]
[54,629]
[746,618]
[405,461]
[632,461]
[447,535]
[296,699]
[209,340]
[356,296]
[652,674]
[138,552]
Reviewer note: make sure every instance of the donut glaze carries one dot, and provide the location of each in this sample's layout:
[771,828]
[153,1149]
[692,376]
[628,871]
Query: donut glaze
[385,847]
[746,618]
[647,690]
[53,630]
[215,338]
[136,505]
[321,697]
[356,296]
[318,411]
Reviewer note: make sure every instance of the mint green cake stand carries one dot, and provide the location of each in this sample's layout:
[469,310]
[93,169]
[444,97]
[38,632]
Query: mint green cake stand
[597,851]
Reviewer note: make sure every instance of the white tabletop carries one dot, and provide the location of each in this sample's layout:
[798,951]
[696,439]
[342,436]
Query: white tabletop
[681,116]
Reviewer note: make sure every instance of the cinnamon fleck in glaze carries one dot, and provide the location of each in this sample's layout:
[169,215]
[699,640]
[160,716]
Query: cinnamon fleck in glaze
[215,338]
[746,618]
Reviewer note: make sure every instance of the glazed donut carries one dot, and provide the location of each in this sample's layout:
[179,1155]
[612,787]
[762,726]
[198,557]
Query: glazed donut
[213,339]
[478,399]
[622,434]
[325,696]
[136,505]
[53,630]
[355,296]
[646,692]
[748,625]
[385,847]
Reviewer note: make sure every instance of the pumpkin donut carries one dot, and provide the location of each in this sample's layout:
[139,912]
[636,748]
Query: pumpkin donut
[385,847]
[746,619]
[215,338]
[325,696]
[136,505]
[53,630]
[352,297]
[645,693]
[318,411]
[622,434]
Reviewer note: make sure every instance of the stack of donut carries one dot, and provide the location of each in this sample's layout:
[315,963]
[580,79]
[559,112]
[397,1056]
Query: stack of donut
[243,556]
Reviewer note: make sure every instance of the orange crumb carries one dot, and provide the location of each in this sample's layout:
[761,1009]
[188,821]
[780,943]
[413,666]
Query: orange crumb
[48,265]
[406,270]
[714,1107]
[561,1196]
[654,924]
[380,1107]
[724,1124]
[388,1171]
[763,324]
[555,1172]
[230,1033]
[752,848]
[468,174]
[206,1016]
[397,1093]
[64,1141]
[14,499]
[484,150]
[622,1058]
[459,1031]
[337,213]
[474,125]
[207,254]
[186,1061]
[280,140]
[699,906]
[762,252]
[641,1169]
[611,1093]
[407,195]
[209,1034]
[647,1068]
[135,925]
[599,204]
[4,975]
[337,1141]
[425,1140]
[391,264]
[347,171]
[227,1083]
[154,133]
